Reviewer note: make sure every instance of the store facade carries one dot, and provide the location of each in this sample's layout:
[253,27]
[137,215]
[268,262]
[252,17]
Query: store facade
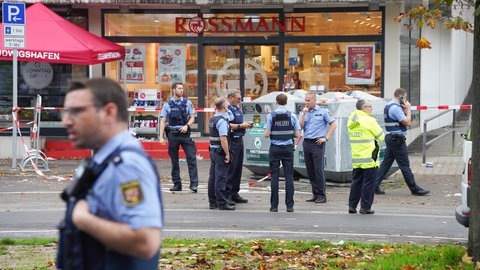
[256,48]
[210,51]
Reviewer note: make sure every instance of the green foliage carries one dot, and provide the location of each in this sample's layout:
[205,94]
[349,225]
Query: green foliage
[27,241]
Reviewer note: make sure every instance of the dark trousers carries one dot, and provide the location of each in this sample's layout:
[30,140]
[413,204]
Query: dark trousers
[235,170]
[362,187]
[314,155]
[217,179]
[396,150]
[284,154]
[190,150]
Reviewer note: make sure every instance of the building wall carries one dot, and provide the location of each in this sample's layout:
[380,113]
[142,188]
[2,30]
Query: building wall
[446,71]
[95,27]
[392,51]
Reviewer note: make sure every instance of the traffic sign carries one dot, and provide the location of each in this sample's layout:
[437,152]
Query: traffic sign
[14,30]
[13,13]
[14,42]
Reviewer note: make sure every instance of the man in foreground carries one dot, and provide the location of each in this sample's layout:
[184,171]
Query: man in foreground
[120,217]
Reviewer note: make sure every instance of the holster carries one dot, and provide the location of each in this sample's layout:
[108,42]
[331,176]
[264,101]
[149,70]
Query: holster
[398,138]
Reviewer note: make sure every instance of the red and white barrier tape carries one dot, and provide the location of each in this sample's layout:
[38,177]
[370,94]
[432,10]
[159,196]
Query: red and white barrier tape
[39,108]
[131,109]
[441,107]
[21,125]
[146,109]
[35,168]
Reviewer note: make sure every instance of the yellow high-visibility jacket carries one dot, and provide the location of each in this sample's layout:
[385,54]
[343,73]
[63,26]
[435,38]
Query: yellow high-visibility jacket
[365,134]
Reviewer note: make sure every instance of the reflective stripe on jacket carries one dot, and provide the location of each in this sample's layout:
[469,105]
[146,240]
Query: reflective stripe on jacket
[364,134]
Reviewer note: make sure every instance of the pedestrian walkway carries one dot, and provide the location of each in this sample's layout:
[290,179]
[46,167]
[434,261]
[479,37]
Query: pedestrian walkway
[443,159]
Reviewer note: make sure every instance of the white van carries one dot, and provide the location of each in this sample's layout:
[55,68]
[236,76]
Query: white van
[462,212]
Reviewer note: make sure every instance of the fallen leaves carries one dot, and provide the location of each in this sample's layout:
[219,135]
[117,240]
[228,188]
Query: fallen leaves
[268,254]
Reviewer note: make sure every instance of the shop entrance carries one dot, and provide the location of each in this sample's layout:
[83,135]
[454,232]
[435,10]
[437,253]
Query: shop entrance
[252,69]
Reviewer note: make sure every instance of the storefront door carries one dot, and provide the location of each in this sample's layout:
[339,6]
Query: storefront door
[225,65]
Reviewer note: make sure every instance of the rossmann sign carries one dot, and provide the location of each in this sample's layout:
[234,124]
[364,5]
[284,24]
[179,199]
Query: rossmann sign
[239,25]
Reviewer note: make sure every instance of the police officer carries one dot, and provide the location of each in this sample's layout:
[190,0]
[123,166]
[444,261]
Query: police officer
[123,210]
[219,157]
[397,115]
[316,121]
[238,127]
[181,115]
[281,127]
[365,136]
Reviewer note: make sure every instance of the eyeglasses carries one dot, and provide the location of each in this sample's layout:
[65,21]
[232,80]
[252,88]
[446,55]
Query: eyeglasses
[367,106]
[74,111]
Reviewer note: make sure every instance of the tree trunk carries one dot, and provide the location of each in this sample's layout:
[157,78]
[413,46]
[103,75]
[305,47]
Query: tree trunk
[474,231]
[464,114]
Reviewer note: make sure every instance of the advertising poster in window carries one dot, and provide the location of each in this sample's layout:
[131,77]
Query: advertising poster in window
[171,64]
[135,65]
[360,64]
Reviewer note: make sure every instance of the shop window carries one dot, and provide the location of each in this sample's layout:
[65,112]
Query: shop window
[145,25]
[155,66]
[340,24]
[323,67]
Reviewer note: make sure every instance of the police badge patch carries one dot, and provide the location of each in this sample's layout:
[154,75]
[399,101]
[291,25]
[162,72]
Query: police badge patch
[132,193]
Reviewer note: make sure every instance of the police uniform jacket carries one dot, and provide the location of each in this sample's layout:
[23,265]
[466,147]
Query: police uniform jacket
[364,134]
[126,192]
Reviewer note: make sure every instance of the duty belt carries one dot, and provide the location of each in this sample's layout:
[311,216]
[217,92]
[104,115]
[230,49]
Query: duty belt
[397,137]
[176,132]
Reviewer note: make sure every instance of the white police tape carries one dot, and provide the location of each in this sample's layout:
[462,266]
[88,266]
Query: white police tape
[35,168]
[441,107]
[153,109]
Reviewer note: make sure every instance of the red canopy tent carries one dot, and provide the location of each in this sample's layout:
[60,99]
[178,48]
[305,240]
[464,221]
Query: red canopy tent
[51,38]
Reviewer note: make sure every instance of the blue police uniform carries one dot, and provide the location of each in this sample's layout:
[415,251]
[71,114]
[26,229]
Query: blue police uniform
[235,116]
[315,126]
[217,180]
[127,192]
[282,125]
[396,146]
[177,113]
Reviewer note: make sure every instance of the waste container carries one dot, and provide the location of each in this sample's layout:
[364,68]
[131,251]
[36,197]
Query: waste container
[338,159]
[256,146]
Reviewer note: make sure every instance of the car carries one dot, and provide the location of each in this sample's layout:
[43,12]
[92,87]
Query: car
[462,212]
